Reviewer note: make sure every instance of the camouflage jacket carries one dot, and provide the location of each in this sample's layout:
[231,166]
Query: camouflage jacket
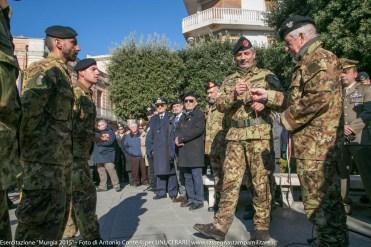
[47,101]
[357,113]
[84,114]
[10,106]
[213,129]
[238,108]
[314,104]
[6,39]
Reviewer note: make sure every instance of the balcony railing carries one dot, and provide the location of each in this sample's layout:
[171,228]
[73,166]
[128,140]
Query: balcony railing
[106,114]
[224,16]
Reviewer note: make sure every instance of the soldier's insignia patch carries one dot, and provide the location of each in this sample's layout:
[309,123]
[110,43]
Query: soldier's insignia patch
[39,80]
[273,81]
[314,68]
[290,24]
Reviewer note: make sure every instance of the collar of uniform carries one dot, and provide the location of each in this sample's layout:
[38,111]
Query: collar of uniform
[51,56]
[250,70]
[308,48]
[83,88]
[212,107]
[353,85]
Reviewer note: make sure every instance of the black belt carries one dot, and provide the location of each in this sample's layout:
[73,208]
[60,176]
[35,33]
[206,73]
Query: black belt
[247,122]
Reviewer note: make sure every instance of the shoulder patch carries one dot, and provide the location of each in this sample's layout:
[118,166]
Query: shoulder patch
[314,67]
[273,81]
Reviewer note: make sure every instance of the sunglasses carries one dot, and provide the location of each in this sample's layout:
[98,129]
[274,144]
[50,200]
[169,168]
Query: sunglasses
[160,105]
[189,100]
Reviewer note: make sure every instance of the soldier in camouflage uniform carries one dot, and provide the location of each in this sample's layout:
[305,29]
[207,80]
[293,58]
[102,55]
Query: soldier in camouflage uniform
[84,195]
[214,140]
[313,118]
[357,130]
[46,139]
[10,113]
[249,144]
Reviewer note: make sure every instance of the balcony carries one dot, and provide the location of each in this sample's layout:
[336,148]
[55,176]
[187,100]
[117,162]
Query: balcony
[229,18]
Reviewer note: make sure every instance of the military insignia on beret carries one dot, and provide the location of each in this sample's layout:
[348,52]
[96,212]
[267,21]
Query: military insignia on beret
[245,43]
[290,24]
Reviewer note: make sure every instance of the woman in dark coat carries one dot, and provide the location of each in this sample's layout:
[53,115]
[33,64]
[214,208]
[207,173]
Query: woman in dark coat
[190,141]
[158,145]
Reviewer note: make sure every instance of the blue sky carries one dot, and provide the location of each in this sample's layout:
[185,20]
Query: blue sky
[101,24]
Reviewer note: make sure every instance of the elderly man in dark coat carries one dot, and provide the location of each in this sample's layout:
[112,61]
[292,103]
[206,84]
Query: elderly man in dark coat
[158,145]
[190,141]
[104,156]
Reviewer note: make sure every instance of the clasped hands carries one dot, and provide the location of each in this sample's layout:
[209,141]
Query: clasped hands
[258,95]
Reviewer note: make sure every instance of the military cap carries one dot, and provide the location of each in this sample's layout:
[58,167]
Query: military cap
[84,64]
[176,102]
[292,23]
[242,44]
[348,63]
[212,84]
[190,94]
[61,32]
[160,100]
[362,76]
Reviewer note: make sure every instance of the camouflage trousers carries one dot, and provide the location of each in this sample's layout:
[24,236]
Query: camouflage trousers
[217,168]
[41,210]
[83,206]
[257,158]
[5,231]
[322,201]
[68,187]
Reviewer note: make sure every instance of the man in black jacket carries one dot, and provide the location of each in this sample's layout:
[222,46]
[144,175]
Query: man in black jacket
[190,141]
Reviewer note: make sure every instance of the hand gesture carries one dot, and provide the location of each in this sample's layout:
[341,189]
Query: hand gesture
[259,95]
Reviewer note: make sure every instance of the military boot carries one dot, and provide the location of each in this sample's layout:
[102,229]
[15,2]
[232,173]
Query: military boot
[209,230]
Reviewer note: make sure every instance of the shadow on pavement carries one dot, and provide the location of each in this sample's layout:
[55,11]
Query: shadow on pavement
[121,221]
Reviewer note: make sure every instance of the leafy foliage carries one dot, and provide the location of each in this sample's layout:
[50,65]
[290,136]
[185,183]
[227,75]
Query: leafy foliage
[142,71]
[207,60]
[345,26]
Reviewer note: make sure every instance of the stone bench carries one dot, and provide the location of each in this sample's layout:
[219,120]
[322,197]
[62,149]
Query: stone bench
[282,180]
[209,183]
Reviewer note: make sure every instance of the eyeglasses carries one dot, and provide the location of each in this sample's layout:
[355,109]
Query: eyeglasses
[189,100]
[160,105]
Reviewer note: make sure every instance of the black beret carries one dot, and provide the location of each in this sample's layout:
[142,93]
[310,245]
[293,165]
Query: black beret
[292,23]
[84,64]
[243,43]
[160,100]
[362,76]
[191,93]
[61,32]
[176,102]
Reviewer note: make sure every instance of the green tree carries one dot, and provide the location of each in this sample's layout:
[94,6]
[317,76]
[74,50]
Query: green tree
[141,71]
[206,60]
[345,26]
